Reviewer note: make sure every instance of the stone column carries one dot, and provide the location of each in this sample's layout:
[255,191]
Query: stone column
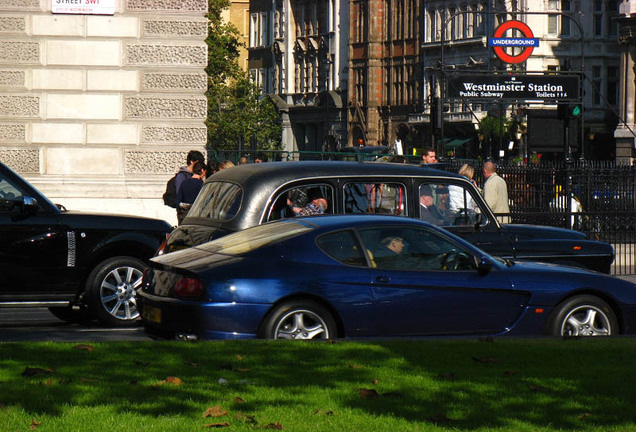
[624,134]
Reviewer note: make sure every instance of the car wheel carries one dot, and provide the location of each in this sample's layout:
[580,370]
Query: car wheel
[69,314]
[584,316]
[299,320]
[111,290]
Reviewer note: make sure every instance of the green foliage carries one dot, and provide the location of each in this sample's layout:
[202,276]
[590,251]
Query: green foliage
[237,111]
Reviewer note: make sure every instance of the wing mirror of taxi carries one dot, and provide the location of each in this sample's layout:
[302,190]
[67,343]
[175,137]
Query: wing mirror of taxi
[478,220]
[30,205]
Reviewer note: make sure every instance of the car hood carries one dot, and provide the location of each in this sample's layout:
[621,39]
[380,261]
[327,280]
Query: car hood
[81,220]
[527,232]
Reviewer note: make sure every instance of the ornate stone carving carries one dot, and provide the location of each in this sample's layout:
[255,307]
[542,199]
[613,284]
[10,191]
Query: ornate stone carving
[9,78]
[22,160]
[174,81]
[19,106]
[195,55]
[20,4]
[12,24]
[12,132]
[159,162]
[168,5]
[19,52]
[175,28]
[177,134]
[165,108]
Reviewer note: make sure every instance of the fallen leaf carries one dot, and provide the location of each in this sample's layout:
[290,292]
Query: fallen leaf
[84,347]
[587,414]
[195,365]
[174,381]
[239,400]
[242,370]
[537,388]
[276,425]
[48,381]
[29,371]
[245,418]
[375,381]
[487,359]
[88,380]
[446,376]
[239,357]
[34,424]
[366,393]
[355,366]
[217,425]
[322,412]
[438,418]
[141,363]
[216,411]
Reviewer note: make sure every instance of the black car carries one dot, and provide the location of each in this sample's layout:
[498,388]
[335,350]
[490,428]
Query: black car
[248,195]
[79,265]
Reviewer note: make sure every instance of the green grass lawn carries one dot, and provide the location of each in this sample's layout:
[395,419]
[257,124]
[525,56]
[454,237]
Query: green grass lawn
[430,385]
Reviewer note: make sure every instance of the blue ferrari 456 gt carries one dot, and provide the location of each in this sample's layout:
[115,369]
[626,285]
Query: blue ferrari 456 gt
[325,277]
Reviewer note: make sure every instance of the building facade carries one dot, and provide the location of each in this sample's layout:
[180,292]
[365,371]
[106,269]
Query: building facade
[99,111]
[298,55]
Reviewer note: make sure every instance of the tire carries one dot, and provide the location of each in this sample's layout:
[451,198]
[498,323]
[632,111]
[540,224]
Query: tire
[584,315]
[70,315]
[304,319]
[110,291]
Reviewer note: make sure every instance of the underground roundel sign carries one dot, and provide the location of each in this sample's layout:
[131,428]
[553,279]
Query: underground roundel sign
[528,42]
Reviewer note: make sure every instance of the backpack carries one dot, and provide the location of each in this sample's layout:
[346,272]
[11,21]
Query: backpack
[170,195]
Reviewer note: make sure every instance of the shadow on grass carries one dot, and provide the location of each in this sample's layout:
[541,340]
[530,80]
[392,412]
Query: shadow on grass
[568,385]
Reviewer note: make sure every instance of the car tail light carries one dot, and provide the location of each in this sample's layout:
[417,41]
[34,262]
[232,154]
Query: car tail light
[188,288]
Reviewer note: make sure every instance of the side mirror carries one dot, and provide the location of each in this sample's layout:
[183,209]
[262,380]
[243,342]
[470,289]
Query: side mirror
[484,266]
[30,205]
[478,220]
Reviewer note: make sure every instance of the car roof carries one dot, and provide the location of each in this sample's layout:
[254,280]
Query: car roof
[283,172]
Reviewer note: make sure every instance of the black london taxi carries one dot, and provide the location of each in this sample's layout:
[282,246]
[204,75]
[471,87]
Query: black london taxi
[247,195]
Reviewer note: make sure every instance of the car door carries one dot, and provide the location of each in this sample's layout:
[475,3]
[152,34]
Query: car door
[461,207]
[433,286]
[33,250]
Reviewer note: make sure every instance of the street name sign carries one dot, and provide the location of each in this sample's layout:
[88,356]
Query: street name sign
[83,7]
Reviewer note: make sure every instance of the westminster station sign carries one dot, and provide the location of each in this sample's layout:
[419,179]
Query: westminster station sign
[517,87]
[83,7]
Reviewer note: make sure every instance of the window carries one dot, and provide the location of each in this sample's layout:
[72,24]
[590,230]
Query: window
[382,198]
[597,18]
[10,196]
[596,85]
[414,249]
[299,201]
[217,200]
[259,29]
[447,205]
[343,247]
[559,24]
[612,85]
[612,14]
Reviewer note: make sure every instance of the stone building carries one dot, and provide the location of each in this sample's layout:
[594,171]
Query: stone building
[238,14]
[99,111]
[298,54]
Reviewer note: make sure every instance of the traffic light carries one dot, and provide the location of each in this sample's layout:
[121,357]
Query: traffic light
[572,110]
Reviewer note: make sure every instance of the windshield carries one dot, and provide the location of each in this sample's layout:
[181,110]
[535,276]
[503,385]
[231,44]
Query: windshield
[217,200]
[253,238]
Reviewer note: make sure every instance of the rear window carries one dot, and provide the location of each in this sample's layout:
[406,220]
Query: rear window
[256,237]
[217,200]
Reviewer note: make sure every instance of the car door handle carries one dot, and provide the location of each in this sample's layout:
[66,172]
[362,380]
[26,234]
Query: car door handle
[383,279]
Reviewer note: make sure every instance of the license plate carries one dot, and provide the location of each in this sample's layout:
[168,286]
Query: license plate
[152,314]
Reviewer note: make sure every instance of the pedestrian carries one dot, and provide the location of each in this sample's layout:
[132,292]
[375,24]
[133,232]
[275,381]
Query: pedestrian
[190,189]
[496,192]
[243,160]
[429,156]
[260,158]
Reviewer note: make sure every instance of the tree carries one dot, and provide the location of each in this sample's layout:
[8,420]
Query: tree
[237,109]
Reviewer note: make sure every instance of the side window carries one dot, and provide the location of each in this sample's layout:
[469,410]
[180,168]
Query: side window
[342,247]
[10,196]
[302,200]
[415,249]
[447,204]
[381,198]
